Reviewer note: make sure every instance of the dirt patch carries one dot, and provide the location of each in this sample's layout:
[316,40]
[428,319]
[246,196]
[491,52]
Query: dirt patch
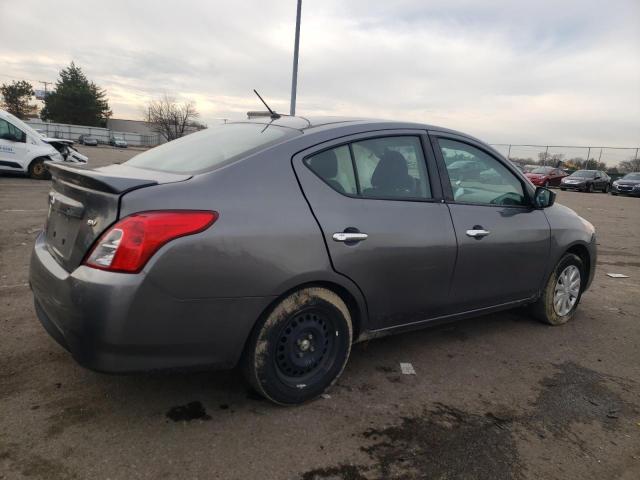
[69,417]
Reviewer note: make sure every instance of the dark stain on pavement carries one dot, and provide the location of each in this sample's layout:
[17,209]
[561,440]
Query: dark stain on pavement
[188,412]
[447,442]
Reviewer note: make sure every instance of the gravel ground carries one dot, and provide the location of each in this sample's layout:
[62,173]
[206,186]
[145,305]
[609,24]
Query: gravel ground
[495,397]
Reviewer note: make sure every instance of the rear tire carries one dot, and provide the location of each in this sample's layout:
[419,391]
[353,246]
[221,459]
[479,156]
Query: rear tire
[563,189]
[557,305]
[605,189]
[38,170]
[301,348]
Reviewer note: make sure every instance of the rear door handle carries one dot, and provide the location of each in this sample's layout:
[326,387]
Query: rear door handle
[477,233]
[349,237]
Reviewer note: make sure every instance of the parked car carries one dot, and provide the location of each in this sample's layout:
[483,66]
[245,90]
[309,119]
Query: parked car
[546,176]
[66,149]
[518,166]
[627,185]
[88,140]
[277,243]
[118,141]
[24,150]
[586,181]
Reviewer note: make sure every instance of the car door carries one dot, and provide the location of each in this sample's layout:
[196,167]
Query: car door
[554,177]
[13,147]
[503,242]
[379,205]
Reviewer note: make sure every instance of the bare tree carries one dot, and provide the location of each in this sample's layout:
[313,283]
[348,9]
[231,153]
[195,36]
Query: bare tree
[631,165]
[171,119]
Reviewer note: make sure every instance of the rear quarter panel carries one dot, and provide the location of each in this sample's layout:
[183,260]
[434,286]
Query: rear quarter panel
[265,242]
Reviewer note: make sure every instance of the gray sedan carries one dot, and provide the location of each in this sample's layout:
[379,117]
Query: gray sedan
[278,243]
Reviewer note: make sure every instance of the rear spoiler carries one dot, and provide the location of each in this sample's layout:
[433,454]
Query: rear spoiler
[96,180]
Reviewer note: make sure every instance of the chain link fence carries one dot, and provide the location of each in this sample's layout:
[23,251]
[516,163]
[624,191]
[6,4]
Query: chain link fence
[612,159]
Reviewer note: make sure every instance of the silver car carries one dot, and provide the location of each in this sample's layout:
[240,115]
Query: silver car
[278,243]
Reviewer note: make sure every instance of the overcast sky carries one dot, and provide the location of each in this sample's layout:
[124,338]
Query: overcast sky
[559,72]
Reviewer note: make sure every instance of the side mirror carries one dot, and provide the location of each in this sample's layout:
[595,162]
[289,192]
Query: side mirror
[543,197]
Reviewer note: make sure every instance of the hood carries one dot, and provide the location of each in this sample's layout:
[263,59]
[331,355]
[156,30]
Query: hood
[627,182]
[57,140]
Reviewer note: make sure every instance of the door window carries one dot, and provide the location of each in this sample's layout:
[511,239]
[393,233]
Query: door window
[386,168]
[334,166]
[477,177]
[10,132]
[391,167]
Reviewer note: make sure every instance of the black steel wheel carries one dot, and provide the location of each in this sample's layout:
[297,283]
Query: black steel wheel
[300,348]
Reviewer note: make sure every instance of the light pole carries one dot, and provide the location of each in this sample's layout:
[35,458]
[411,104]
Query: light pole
[296,48]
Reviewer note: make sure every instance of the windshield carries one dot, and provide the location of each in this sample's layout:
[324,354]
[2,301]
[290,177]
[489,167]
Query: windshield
[584,174]
[631,176]
[543,170]
[212,147]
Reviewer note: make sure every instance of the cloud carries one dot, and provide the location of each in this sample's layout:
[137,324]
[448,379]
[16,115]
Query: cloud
[508,72]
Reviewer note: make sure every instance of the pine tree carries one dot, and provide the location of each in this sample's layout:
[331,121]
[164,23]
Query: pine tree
[76,100]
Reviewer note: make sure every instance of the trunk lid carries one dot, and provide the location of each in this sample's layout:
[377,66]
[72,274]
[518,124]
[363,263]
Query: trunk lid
[84,202]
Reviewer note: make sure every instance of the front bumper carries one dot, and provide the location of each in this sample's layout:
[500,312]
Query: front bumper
[574,186]
[117,323]
[625,190]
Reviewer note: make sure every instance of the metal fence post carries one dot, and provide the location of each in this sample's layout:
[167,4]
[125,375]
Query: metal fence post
[546,155]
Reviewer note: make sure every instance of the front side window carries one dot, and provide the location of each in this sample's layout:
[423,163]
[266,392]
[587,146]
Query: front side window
[477,177]
[10,132]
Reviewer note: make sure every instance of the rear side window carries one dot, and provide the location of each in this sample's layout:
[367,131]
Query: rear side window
[391,167]
[335,168]
[211,148]
[384,168]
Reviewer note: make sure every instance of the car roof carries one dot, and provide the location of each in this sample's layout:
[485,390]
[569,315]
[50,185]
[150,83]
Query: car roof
[316,122]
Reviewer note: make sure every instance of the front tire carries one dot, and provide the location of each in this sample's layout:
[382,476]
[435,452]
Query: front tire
[301,348]
[562,293]
[38,170]
[589,188]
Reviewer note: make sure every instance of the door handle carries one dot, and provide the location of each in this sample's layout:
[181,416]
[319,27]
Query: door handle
[349,237]
[477,233]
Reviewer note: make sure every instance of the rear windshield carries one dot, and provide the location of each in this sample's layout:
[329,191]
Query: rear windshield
[212,147]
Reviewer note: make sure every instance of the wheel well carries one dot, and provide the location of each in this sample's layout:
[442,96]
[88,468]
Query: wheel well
[44,158]
[343,293]
[582,252]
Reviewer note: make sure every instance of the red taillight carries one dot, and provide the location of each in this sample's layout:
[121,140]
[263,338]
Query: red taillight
[130,243]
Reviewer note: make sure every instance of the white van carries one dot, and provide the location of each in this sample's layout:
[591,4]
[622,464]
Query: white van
[22,149]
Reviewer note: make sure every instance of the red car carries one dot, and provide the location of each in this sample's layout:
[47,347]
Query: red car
[546,176]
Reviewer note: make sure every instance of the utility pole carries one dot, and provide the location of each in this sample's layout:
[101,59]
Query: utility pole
[45,87]
[296,48]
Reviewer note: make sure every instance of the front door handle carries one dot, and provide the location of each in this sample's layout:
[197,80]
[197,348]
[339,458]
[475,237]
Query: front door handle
[477,233]
[348,237]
